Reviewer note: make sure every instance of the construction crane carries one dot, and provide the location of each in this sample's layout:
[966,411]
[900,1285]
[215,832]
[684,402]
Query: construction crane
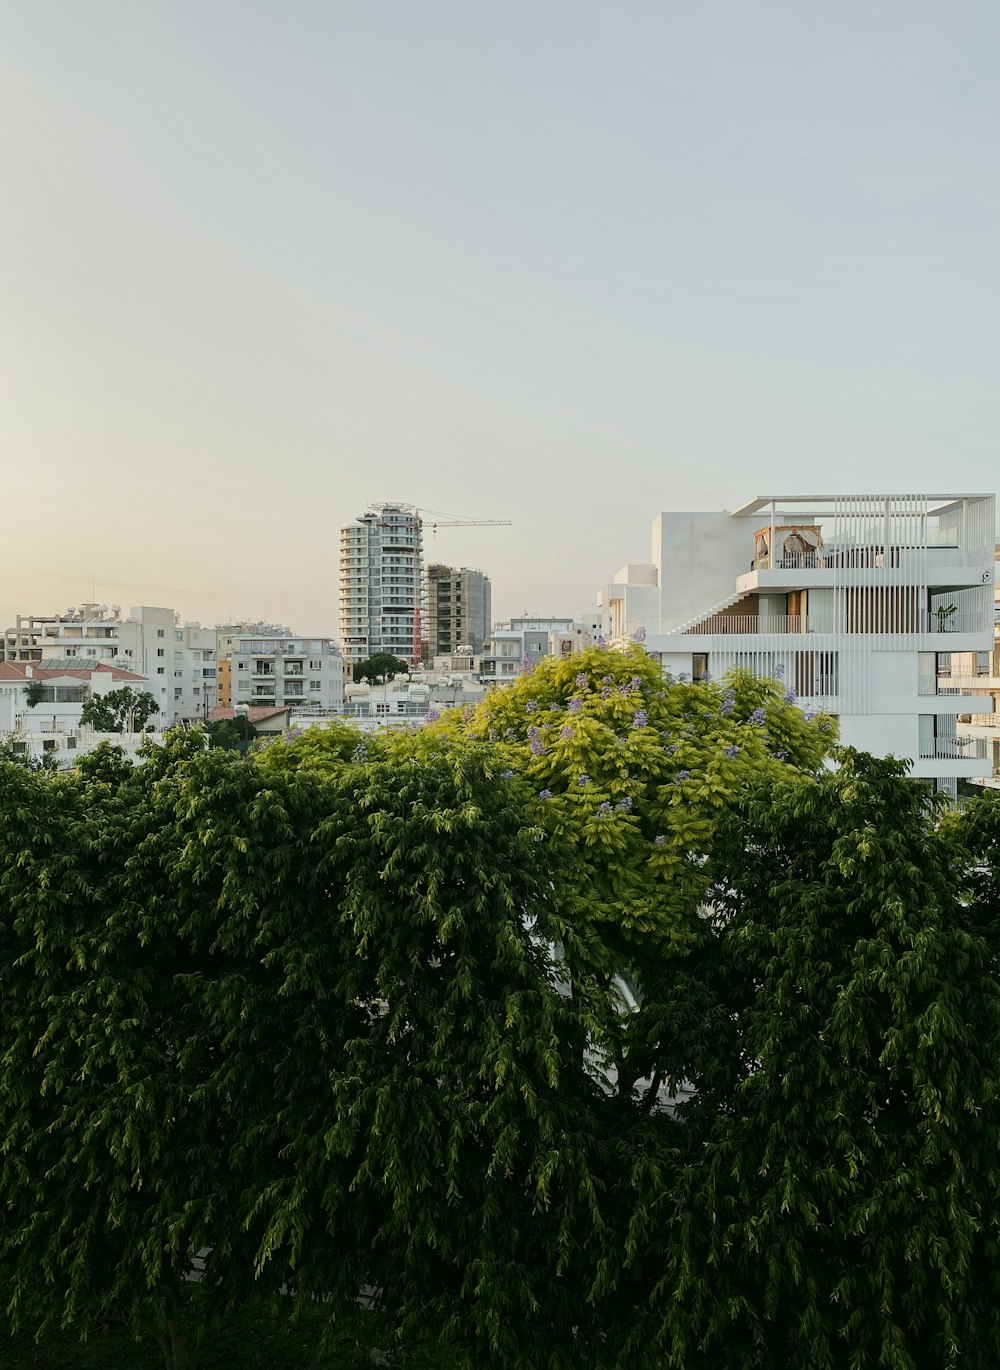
[434,519]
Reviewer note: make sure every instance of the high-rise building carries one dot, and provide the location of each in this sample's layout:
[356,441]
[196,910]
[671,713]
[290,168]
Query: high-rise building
[381,573]
[457,610]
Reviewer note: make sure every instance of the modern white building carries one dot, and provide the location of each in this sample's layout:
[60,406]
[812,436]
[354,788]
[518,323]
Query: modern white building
[520,643]
[264,666]
[860,601]
[381,582]
[143,642]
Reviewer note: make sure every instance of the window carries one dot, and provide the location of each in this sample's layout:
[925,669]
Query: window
[315,685]
[160,651]
[208,672]
[315,665]
[159,670]
[49,745]
[160,632]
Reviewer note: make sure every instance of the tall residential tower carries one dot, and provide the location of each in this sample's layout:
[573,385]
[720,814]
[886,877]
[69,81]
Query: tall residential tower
[381,570]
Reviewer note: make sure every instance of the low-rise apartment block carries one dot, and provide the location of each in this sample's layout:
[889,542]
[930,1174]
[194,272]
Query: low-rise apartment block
[143,642]
[270,666]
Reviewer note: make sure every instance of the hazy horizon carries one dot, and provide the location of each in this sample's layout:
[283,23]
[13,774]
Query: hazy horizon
[565,264]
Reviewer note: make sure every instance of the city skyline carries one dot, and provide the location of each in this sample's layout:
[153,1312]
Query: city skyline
[555,263]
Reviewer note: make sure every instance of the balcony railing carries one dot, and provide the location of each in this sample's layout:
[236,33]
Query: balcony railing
[954,749]
[865,623]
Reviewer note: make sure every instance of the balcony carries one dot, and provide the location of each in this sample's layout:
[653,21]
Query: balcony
[900,623]
[954,748]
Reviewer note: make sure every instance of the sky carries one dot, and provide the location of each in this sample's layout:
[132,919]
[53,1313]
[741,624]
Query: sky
[559,262]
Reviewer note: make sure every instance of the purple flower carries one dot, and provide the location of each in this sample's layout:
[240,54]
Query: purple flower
[758,718]
[808,717]
[728,703]
[636,682]
[581,681]
[671,748]
[606,680]
[779,670]
[730,752]
[790,697]
[706,678]
[603,810]
[531,707]
[533,732]
[640,718]
[509,732]
[506,775]
[824,727]
[544,794]
[432,716]
[583,779]
[575,705]
[566,732]
[683,677]
[660,841]
[554,706]
[682,775]
[601,640]
[621,741]
[492,734]
[360,753]
[527,663]
[625,803]
[639,635]
[536,747]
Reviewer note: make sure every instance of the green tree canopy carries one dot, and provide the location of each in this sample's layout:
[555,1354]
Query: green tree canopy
[379,667]
[118,711]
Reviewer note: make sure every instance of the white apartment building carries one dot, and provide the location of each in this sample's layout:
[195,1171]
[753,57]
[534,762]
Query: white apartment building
[268,666]
[381,582]
[52,725]
[858,601]
[143,642]
[196,671]
[520,643]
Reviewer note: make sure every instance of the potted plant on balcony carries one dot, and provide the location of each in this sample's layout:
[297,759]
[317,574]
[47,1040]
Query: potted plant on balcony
[944,616]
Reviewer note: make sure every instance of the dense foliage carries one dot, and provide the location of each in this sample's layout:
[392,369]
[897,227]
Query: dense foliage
[119,711]
[603,1025]
[379,667]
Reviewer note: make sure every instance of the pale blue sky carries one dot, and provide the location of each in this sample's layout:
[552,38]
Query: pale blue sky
[564,263]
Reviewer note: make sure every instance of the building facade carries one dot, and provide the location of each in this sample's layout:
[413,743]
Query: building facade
[143,642]
[196,672]
[51,724]
[860,602]
[381,582]
[520,643]
[269,666]
[458,610]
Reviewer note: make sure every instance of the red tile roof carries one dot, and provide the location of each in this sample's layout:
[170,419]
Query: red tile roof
[254,715]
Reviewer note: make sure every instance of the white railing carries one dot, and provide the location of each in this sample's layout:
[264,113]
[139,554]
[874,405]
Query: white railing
[864,624]
[955,749]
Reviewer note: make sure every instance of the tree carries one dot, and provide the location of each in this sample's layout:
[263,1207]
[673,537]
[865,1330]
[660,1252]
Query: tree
[34,693]
[118,711]
[632,775]
[840,1021]
[303,1020]
[233,734]
[380,667]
